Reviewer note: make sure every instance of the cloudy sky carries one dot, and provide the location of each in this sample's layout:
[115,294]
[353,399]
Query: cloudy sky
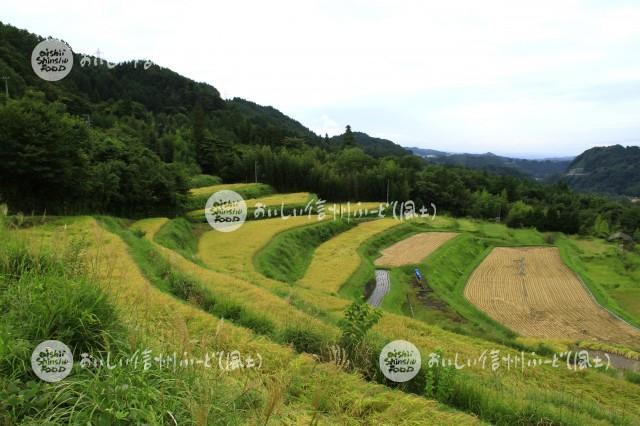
[532,78]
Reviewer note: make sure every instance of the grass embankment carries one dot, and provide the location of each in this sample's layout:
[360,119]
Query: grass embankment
[337,259]
[288,255]
[238,259]
[179,236]
[288,388]
[612,275]
[545,394]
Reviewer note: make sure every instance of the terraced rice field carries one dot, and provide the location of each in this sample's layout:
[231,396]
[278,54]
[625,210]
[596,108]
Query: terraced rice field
[241,245]
[273,202]
[337,259]
[533,292]
[158,321]
[254,235]
[258,299]
[208,190]
[358,209]
[276,200]
[413,249]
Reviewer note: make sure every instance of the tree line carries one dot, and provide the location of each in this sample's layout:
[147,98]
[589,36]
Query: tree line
[133,162]
[125,141]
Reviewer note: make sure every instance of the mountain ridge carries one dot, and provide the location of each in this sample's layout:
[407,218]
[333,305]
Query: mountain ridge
[607,169]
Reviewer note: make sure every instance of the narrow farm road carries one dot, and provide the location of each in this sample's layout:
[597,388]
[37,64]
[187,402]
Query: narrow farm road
[383,283]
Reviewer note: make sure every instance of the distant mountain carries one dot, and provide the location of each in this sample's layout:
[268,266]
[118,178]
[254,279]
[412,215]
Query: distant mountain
[609,170]
[428,153]
[376,147]
[539,169]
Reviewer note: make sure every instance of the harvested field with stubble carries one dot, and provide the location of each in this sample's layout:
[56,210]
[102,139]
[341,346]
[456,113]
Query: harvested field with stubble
[531,291]
[413,249]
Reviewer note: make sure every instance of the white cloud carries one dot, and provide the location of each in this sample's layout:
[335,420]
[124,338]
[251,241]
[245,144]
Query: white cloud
[487,74]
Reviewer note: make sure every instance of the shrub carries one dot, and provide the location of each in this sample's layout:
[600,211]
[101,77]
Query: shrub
[198,181]
[439,378]
[304,339]
[358,320]
[550,238]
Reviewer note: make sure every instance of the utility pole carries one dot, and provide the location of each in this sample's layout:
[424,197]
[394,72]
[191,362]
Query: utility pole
[255,170]
[6,87]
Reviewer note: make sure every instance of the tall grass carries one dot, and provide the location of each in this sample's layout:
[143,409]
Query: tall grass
[46,294]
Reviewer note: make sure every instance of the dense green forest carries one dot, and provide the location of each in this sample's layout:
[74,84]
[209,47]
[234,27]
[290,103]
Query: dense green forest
[376,147]
[609,170]
[126,140]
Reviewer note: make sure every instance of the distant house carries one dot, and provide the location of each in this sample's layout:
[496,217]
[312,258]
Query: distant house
[635,200]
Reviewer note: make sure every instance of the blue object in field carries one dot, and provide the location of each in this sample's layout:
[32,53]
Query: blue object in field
[418,274]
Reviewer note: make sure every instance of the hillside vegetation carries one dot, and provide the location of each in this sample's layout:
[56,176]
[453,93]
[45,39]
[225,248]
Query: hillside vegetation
[126,140]
[104,245]
[609,170]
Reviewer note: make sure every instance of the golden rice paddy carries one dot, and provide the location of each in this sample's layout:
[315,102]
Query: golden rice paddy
[531,291]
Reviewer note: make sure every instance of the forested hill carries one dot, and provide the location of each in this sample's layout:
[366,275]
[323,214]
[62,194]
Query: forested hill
[155,89]
[539,169]
[376,147]
[158,89]
[125,140]
[610,170]
[120,139]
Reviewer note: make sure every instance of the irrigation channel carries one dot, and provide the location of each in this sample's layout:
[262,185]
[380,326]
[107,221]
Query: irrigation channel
[383,284]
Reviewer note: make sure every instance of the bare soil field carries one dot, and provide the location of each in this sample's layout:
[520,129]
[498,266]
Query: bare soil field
[531,291]
[413,249]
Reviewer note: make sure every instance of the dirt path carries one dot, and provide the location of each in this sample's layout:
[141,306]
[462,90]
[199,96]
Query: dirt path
[383,284]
